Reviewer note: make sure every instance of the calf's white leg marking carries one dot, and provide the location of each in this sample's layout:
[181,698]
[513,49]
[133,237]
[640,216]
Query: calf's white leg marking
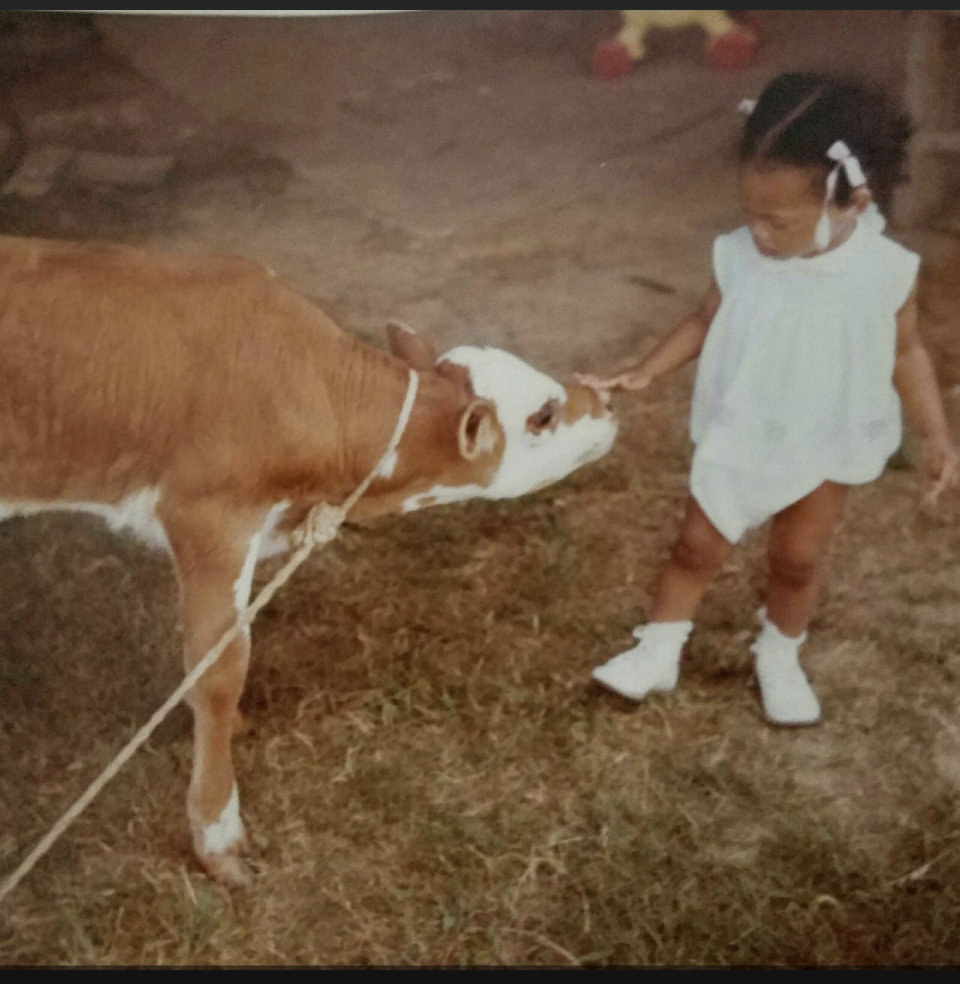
[243,585]
[227,832]
[271,542]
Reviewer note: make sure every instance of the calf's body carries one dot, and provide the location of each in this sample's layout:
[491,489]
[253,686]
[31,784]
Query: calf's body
[206,407]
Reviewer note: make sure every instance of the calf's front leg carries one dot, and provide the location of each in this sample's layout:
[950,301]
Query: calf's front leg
[215,571]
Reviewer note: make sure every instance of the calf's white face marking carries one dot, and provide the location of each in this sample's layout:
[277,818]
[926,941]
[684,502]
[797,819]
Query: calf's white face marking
[540,447]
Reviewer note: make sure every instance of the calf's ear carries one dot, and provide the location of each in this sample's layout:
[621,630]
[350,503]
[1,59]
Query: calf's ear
[414,349]
[477,433]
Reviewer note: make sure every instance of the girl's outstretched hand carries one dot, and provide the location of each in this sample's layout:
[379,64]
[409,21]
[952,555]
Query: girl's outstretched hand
[630,382]
[942,465]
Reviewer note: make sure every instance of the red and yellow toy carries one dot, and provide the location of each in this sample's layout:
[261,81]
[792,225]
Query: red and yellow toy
[730,48]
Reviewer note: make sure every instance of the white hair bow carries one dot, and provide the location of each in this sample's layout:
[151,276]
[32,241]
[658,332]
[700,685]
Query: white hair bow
[845,159]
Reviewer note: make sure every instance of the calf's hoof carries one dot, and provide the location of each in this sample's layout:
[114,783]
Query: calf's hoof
[220,844]
[228,868]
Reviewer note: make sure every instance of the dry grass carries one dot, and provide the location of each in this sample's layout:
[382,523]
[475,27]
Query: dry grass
[432,779]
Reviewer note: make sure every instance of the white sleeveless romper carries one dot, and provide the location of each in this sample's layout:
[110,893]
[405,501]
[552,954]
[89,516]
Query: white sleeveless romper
[795,381]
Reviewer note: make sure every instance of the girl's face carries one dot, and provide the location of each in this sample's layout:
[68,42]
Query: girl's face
[783,205]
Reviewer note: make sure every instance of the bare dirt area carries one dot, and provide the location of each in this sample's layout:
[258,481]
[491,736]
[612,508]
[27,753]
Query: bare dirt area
[429,776]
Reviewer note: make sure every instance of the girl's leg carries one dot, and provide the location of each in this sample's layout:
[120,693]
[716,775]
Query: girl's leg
[699,553]
[654,664]
[799,541]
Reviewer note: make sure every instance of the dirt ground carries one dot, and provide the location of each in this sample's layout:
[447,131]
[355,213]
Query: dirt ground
[430,777]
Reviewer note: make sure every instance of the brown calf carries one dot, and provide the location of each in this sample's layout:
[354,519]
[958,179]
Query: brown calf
[203,405]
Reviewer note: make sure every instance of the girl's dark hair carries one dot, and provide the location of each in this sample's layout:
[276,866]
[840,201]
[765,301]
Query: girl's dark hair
[800,115]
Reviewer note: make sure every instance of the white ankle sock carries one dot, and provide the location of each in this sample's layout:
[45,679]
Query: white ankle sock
[787,695]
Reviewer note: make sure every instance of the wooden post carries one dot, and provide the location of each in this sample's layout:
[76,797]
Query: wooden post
[931,93]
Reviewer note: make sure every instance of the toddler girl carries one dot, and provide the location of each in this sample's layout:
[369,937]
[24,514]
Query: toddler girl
[808,347]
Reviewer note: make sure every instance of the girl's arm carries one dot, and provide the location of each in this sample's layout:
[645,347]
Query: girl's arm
[916,382]
[682,345]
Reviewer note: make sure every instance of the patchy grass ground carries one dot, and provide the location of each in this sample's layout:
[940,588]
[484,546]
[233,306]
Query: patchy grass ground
[432,779]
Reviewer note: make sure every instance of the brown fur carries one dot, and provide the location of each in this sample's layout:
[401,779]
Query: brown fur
[121,370]
[209,380]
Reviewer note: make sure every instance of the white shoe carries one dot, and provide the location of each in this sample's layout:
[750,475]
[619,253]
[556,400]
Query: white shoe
[788,698]
[652,666]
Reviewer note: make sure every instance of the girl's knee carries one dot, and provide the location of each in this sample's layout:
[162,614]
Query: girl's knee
[700,552]
[792,569]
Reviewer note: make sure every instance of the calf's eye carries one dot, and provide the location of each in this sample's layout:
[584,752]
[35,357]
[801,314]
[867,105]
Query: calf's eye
[544,419]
